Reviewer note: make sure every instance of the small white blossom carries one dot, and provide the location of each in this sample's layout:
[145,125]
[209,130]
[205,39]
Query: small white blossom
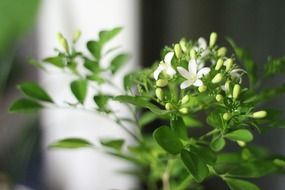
[165,66]
[202,47]
[193,75]
[237,73]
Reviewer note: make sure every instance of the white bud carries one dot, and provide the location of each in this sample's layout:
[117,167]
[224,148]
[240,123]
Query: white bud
[227,116]
[228,64]
[185,99]
[168,106]
[217,78]
[222,51]
[183,110]
[177,50]
[182,44]
[161,82]
[219,97]
[159,93]
[213,39]
[219,64]
[259,114]
[236,91]
[202,88]
[192,54]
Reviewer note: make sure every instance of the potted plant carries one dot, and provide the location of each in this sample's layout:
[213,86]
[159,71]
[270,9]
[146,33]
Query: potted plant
[195,84]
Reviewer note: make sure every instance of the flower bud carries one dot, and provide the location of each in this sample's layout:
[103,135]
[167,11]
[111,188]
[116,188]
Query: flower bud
[219,98]
[168,106]
[236,91]
[76,36]
[177,50]
[227,85]
[63,42]
[159,93]
[183,110]
[185,99]
[213,39]
[227,116]
[161,82]
[219,64]
[241,143]
[202,88]
[192,54]
[259,114]
[222,51]
[228,64]
[182,44]
[217,78]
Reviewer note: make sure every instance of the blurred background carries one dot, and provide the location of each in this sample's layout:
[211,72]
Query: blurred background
[28,29]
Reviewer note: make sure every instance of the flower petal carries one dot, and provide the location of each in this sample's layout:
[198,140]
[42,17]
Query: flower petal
[186,84]
[198,83]
[203,71]
[192,67]
[170,71]
[168,57]
[184,72]
[157,71]
[202,43]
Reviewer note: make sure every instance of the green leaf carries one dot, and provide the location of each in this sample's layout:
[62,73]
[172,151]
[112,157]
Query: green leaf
[178,126]
[96,78]
[238,184]
[107,35]
[25,106]
[218,144]
[56,61]
[140,102]
[205,153]
[274,66]
[95,48]
[240,135]
[113,143]
[92,66]
[71,143]
[147,118]
[101,100]
[33,90]
[79,89]
[118,62]
[195,165]
[168,140]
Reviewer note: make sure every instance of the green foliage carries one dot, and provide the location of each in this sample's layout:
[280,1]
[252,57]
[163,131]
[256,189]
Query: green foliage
[191,86]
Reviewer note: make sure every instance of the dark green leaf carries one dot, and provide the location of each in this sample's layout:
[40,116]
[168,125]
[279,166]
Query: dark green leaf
[118,62]
[195,165]
[238,184]
[240,135]
[107,35]
[218,144]
[208,156]
[95,48]
[56,61]
[71,143]
[92,66]
[33,90]
[101,100]
[178,126]
[168,140]
[79,89]
[141,102]
[25,106]
[113,143]
[274,66]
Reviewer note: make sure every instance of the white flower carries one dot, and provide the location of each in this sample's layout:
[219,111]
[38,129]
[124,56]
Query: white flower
[193,75]
[237,73]
[165,66]
[202,47]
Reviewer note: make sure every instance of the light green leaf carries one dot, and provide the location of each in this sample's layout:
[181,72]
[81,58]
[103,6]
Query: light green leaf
[25,106]
[101,100]
[238,184]
[56,61]
[146,118]
[218,144]
[118,62]
[33,90]
[141,102]
[79,89]
[113,143]
[92,66]
[168,140]
[107,35]
[71,143]
[195,165]
[240,135]
[95,48]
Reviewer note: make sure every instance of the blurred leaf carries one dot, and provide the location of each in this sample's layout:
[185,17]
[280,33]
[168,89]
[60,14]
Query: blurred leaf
[101,100]
[168,140]
[140,102]
[205,153]
[95,48]
[118,62]
[195,165]
[25,106]
[92,66]
[240,135]
[79,89]
[146,118]
[96,77]
[191,122]
[217,144]
[113,143]
[71,143]
[107,35]
[274,66]
[238,184]
[33,90]
[56,61]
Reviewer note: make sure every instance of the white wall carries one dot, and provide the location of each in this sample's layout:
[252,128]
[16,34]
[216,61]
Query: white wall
[83,169]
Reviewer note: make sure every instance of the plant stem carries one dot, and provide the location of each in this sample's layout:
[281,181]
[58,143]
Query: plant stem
[165,177]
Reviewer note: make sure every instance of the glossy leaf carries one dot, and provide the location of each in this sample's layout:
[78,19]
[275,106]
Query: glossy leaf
[33,90]
[195,165]
[240,135]
[71,143]
[79,89]
[25,106]
[168,140]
